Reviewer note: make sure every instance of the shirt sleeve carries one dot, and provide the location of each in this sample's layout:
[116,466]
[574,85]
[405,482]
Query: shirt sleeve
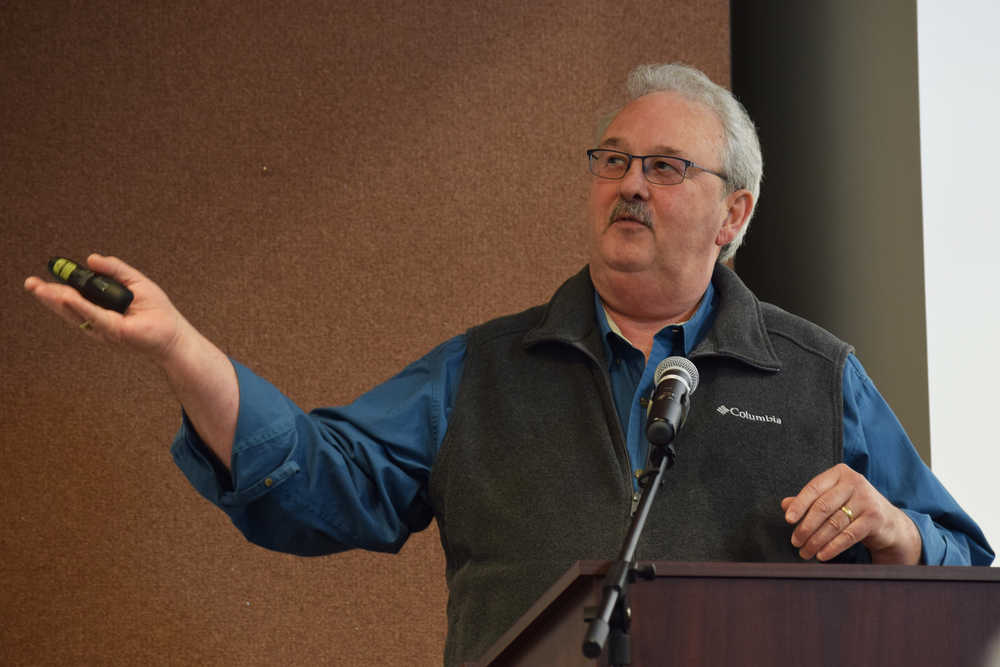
[335,478]
[876,446]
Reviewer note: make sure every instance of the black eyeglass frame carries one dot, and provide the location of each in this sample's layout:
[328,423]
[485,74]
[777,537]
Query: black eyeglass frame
[642,159]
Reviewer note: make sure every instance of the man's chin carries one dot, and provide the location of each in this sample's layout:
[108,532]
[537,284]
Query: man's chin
[623,263]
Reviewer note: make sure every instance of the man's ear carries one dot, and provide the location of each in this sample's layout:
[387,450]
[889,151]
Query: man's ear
[739,206]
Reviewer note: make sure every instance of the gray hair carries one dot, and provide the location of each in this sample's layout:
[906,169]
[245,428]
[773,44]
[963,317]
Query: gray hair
[741,156]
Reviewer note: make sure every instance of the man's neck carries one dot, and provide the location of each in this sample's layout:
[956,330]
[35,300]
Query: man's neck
[641,308]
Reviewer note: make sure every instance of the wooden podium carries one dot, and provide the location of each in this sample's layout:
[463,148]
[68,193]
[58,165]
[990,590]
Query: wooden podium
[726,614]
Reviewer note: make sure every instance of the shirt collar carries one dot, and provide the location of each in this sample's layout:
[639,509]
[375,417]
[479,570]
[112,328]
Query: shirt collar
[693,330]
[735,327]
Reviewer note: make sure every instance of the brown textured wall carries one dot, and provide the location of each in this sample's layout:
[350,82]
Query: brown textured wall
[326,189]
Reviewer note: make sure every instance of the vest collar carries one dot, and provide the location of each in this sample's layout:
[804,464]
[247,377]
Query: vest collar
[569,317]
[739,330]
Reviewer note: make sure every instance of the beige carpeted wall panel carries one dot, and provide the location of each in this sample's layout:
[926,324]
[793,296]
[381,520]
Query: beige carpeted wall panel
[327,190]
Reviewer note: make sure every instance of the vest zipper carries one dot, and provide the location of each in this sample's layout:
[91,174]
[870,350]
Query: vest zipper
[609,400]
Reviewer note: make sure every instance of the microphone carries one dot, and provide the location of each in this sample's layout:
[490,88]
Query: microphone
[675,380]
[95,287]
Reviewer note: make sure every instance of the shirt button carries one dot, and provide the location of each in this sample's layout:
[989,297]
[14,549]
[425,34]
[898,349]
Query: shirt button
[268,482]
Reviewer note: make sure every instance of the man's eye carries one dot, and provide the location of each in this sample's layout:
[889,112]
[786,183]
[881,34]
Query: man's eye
[665,167]
[614,160]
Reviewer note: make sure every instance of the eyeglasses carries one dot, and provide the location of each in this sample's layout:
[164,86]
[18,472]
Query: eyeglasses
[658,169]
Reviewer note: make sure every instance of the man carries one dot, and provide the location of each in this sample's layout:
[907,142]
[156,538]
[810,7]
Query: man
[523,437]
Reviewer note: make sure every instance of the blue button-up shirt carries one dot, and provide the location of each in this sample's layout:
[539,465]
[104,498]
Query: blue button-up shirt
[632,375]
[368,463]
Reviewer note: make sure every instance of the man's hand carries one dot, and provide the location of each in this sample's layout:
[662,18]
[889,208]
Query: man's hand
[839,508]
[151,325]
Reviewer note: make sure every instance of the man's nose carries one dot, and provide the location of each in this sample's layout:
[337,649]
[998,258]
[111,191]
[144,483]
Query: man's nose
[634,184]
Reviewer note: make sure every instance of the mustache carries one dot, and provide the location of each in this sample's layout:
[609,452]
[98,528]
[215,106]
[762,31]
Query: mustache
[636,210]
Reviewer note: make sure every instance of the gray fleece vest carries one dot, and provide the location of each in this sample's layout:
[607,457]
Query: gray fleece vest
[532,474]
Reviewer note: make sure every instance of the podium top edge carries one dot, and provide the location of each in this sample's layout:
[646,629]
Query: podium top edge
[802,570]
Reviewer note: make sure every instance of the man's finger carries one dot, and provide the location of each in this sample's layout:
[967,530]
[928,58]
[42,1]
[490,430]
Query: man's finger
[818,517]
[114,267]
[817,486]
[824,522]
[66,302]
[855,531]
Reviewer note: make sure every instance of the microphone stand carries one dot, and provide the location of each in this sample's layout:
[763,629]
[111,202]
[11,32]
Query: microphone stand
[615,615]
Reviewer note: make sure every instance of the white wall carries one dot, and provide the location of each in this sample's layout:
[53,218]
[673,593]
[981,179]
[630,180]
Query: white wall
[959,56]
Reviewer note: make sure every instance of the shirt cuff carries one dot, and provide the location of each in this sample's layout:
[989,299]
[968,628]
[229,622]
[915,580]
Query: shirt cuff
[265,427]
[934,547]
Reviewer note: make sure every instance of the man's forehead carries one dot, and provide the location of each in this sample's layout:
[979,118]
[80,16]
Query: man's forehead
[666,123]
[623,144]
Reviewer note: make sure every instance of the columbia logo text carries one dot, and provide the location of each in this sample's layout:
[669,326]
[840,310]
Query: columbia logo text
[743,414]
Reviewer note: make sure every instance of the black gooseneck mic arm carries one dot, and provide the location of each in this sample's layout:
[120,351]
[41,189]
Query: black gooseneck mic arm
[613,615]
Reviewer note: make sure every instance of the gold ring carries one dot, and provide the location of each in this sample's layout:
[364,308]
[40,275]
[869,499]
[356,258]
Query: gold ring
[848,511]
[87,325]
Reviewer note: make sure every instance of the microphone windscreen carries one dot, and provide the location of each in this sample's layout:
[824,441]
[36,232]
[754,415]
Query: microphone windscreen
[677,365]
